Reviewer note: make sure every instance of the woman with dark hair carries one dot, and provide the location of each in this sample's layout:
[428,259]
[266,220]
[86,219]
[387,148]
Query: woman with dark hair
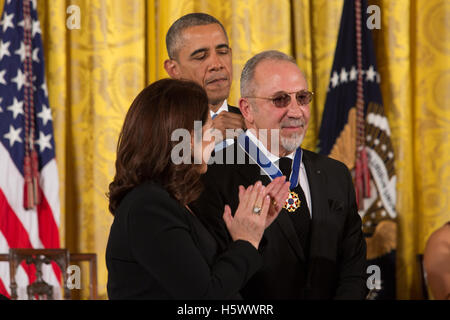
[157,247]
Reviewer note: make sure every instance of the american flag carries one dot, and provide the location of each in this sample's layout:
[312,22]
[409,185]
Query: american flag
[355,130]
[29,214]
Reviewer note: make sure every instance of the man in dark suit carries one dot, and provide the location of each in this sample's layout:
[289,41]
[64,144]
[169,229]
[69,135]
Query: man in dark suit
[198,49]
[315,249]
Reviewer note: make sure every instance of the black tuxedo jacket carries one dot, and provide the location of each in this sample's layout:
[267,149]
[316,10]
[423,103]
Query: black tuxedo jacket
[158,250]
[234,109]
[336,265]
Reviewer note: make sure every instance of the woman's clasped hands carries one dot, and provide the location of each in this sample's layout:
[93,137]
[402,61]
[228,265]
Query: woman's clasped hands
[259,206]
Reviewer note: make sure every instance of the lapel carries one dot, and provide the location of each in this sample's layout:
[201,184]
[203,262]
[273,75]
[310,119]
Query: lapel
[251,173]
[234,109]
[286,226]
[317,185]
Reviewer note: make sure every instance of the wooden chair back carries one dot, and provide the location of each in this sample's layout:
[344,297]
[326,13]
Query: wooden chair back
[37,257]
[91,258]
[61,257]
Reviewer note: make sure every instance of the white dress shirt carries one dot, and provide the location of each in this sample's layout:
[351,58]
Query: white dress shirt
[303,178]
[223,107]
[221,144]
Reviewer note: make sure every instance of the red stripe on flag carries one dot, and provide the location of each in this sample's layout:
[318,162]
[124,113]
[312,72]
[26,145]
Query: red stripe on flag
[3,290]
[48,230]
[17,236]
[11,227]
[14,233]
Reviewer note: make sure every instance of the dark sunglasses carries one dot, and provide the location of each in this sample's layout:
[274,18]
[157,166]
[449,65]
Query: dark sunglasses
[282,100]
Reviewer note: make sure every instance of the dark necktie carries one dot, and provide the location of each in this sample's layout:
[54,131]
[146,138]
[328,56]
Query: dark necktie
[300,217]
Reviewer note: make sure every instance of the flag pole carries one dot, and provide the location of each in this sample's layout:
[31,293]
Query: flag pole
[362,177]
[31,162]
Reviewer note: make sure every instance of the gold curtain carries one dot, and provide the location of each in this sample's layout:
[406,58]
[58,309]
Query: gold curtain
[94,73]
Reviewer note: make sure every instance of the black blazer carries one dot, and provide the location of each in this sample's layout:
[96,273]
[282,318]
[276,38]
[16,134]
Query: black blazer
[234,109]
[337,261]
[158,250]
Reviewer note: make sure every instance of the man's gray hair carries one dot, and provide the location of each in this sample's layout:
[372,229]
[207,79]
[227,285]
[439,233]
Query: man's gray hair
[248,72]
[186,21]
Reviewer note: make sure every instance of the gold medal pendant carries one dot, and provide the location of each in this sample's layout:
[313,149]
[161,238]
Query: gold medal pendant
[292,202]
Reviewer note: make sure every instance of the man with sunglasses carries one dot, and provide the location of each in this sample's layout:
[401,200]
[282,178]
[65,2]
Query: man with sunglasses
[315,249]
[198,49]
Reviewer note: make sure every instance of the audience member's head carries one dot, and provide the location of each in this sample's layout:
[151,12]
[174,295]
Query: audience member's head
[437,262]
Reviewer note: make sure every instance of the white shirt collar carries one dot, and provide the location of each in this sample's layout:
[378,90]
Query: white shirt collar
[273,158]
[223,107]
